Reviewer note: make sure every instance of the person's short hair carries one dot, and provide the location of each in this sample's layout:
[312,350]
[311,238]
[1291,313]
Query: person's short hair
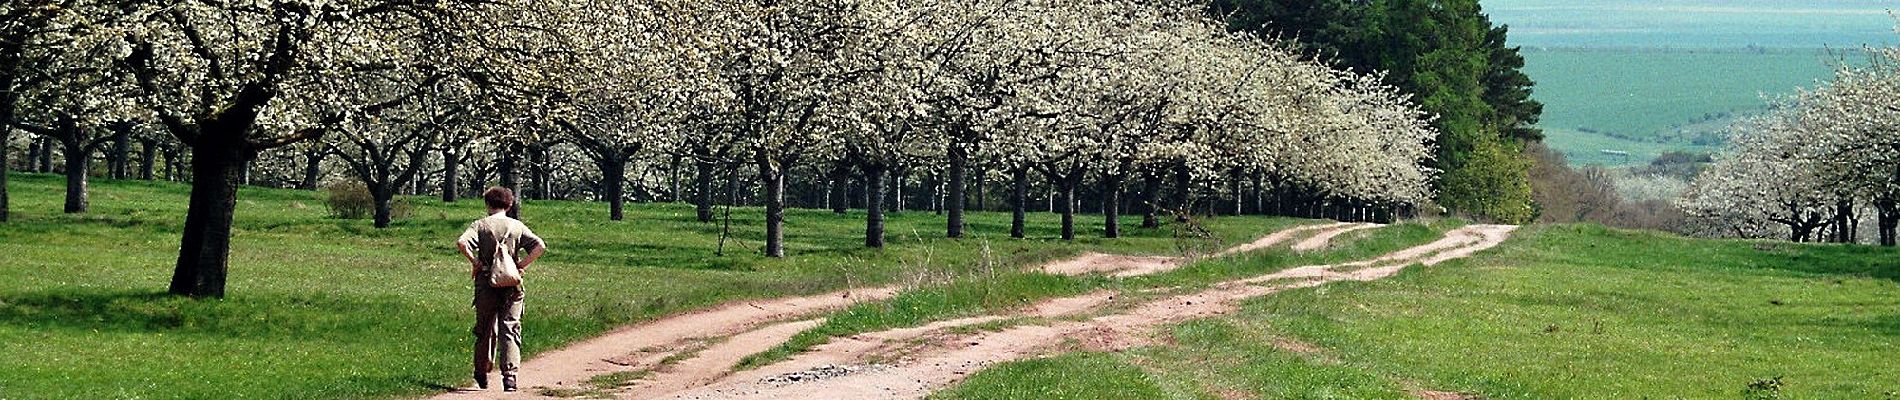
[498,197]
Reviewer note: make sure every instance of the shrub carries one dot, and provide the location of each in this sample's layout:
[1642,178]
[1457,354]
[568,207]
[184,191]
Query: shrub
[349,200]
[352,200]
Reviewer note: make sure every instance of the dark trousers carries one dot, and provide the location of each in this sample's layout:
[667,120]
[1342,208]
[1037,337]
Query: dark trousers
[497,328]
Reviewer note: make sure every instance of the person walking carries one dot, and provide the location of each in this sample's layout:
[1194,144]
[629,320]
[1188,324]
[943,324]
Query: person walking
[498,308]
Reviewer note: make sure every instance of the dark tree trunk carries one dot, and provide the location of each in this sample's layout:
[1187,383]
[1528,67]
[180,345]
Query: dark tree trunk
[77,162]
[1843,212]
[874,212]
[171,164]
[703,184]
[7,100]
[510,175]
[1889,216]
[772,178]
[385,196]
[121,161]
[1183,193]
[312,169]
[147,155]
[32,149]
[1150,215]
[451,166]
[46,155]
[959,165]
[613,180]
[1111,205]
[982,189]
[6,133]
[204,253]
[540,185]
[840,192]
[1018,201]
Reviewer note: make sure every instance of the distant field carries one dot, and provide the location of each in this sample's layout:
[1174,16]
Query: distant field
[1685,24]
[1648,101]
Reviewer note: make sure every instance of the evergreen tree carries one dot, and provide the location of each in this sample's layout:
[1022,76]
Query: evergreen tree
[1450,58]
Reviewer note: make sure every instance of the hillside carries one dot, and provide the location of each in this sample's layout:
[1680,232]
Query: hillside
[1649,101]
[1647,77]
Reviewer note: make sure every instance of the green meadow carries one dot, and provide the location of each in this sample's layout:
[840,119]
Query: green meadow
[327,308]
[1562,311]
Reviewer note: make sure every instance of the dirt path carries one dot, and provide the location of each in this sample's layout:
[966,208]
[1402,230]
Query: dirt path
[676,353]
[641,347]
[1127,266]
[1325,237]
[926,361]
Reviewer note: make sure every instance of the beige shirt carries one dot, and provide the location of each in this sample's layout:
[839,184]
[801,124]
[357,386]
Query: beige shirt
[484,235]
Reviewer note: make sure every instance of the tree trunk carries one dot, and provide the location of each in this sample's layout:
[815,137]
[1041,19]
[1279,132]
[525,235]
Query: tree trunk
[1111,205]
[385,195]
[1183,193]
[147,155]
[1018,201]
[959,163]
[982,189]
[204,252]
[773,180]
[897,192]
[312,169]
[1150,215]
[1237,184]
[1843,212]
[32,149]
[1066,191]
[703,197]
[77,160]
[451,166]
[673,181]
[840,190]
[508,169]
[419,185]
[171,164]
[120,163]
[7,100]
[874,212]
[1889,219]
[613,172]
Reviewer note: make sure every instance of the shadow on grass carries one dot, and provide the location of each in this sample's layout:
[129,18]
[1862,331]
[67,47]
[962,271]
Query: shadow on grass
[134,311]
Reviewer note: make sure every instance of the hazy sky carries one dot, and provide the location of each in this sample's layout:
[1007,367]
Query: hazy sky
[1697,23]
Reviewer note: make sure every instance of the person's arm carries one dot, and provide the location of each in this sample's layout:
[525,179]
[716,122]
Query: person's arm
[475,270]
[536,247]
[466,244]
[532,255]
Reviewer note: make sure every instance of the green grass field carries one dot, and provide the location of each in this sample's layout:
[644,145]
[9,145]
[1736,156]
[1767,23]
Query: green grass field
[1557,312]
[327,308]
[1650,101]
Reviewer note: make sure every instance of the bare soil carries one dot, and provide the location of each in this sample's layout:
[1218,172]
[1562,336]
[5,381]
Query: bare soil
[909,363]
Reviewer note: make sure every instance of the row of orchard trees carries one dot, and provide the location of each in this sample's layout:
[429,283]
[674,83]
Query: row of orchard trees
[1114,93]
[1813,164]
